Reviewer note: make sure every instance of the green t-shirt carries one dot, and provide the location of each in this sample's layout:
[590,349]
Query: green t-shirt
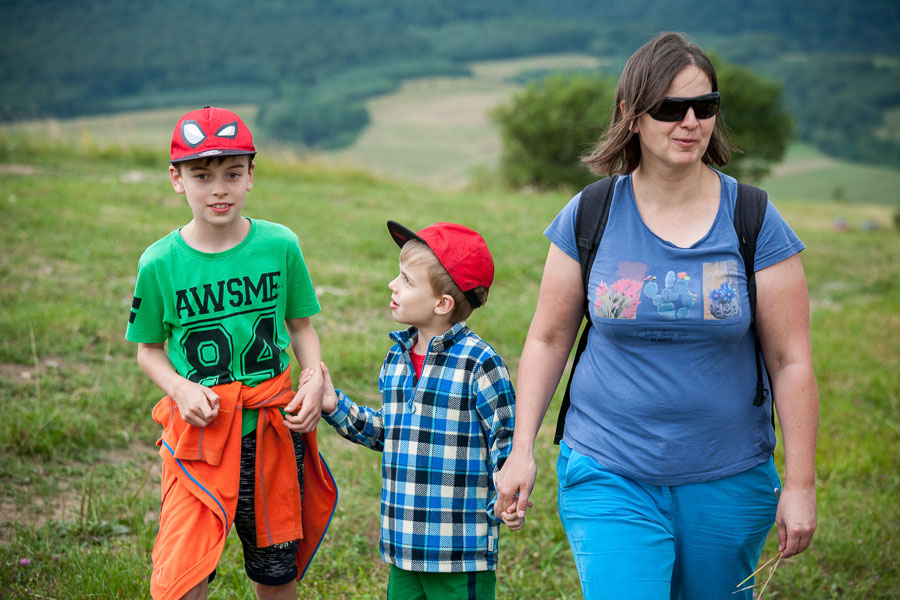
[223,313]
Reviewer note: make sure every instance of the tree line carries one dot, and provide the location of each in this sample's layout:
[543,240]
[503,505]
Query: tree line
[311,64]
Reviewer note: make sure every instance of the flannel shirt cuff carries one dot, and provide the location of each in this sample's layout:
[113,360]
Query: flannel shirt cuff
[492,518]
[341,411]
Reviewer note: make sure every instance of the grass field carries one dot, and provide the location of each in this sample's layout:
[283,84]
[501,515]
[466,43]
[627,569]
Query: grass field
[809,175]
[79,480]
[437,131]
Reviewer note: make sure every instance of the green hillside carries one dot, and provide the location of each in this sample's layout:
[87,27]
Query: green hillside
[79,479]
[311,66]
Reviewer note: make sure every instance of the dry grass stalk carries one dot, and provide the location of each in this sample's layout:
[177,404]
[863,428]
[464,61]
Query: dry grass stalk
[777,559]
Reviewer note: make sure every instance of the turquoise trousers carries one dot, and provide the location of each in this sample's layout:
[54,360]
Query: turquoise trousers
[636,541]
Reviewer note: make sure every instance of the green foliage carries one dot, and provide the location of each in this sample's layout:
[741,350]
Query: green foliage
[315,122]
[842,103]
[513,34]
[549,125]
[757,122]
[64,59]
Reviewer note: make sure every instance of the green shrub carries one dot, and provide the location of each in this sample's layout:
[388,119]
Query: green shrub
[548,126]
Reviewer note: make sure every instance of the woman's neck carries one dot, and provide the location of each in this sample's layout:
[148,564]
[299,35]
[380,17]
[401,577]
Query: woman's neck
[677,209]
[669,185]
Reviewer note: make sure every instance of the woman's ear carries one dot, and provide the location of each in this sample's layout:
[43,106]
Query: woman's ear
[633,125]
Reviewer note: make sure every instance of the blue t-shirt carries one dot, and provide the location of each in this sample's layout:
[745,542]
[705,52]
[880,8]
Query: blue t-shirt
[664,391]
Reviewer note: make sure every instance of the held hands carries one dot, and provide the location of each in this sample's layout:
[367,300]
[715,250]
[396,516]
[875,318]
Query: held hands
[514,483]
[307,402]
[796,519]
[329,402]
[197,404]
[511,518]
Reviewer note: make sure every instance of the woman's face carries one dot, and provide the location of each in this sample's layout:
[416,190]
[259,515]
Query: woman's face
[679,143]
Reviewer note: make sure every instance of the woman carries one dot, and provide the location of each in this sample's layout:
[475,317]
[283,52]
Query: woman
[667,486]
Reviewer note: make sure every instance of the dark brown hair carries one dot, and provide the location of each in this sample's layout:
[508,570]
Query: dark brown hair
[416,253]
[642,86]
[217,160]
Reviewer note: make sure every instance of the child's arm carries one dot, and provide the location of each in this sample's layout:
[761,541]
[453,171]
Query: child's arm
[197,404]
[359,424]
[330,399]
[308,399]
[495,404]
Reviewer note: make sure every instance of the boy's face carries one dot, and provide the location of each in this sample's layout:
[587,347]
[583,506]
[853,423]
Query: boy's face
[215,190]
[413,301]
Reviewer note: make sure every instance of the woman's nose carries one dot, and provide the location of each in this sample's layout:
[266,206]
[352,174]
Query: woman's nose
[690,119]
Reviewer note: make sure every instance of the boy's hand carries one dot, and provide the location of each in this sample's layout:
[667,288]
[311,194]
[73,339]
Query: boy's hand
[330,400]
[197,404]
[511,517]
[305,376]
[308,400]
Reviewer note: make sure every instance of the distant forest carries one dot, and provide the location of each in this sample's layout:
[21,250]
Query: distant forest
[311,64]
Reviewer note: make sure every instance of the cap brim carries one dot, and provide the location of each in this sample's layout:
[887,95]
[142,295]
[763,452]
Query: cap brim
[402,234]
[212,154]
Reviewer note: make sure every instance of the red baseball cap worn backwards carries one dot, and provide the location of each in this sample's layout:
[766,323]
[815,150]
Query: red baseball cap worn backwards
[460,250]
[210,132]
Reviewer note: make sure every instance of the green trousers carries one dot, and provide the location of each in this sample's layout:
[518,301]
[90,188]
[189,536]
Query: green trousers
[411,585]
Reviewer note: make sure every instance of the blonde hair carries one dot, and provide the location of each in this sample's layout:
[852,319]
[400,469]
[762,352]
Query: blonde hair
[415,252]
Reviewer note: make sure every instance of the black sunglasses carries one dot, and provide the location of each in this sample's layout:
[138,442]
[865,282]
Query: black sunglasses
[675,109]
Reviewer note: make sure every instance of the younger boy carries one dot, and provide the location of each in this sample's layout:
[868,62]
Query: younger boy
[445,425]
[227,295]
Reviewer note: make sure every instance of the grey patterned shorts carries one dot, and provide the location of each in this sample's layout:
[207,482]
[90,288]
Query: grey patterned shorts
[272,565]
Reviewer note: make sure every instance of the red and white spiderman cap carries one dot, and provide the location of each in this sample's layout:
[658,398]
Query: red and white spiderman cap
[210,132]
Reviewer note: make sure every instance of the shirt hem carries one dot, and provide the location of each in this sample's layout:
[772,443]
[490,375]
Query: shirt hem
[686,479]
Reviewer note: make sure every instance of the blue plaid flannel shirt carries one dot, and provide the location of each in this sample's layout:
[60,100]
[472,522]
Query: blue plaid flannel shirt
[442,438]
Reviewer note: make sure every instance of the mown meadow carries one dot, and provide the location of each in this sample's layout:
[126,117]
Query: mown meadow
[79,481]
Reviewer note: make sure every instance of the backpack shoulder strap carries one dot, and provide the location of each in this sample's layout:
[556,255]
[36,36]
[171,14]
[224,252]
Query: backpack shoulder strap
[590,223]
[749,213]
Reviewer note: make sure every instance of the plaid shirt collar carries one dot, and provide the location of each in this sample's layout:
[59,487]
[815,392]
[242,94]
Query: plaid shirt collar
[406,338]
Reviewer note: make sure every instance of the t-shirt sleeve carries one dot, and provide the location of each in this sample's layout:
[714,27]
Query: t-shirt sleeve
[776,240]
[145,321]
[562,230]
[301,295]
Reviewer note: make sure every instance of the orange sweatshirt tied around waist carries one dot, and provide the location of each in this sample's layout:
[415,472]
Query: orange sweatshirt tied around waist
[201,477]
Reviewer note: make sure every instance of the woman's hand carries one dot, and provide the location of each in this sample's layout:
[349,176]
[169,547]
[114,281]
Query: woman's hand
[796,519]
[514,483]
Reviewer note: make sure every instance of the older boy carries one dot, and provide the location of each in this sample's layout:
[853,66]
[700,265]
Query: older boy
[445,426]
[227,295]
